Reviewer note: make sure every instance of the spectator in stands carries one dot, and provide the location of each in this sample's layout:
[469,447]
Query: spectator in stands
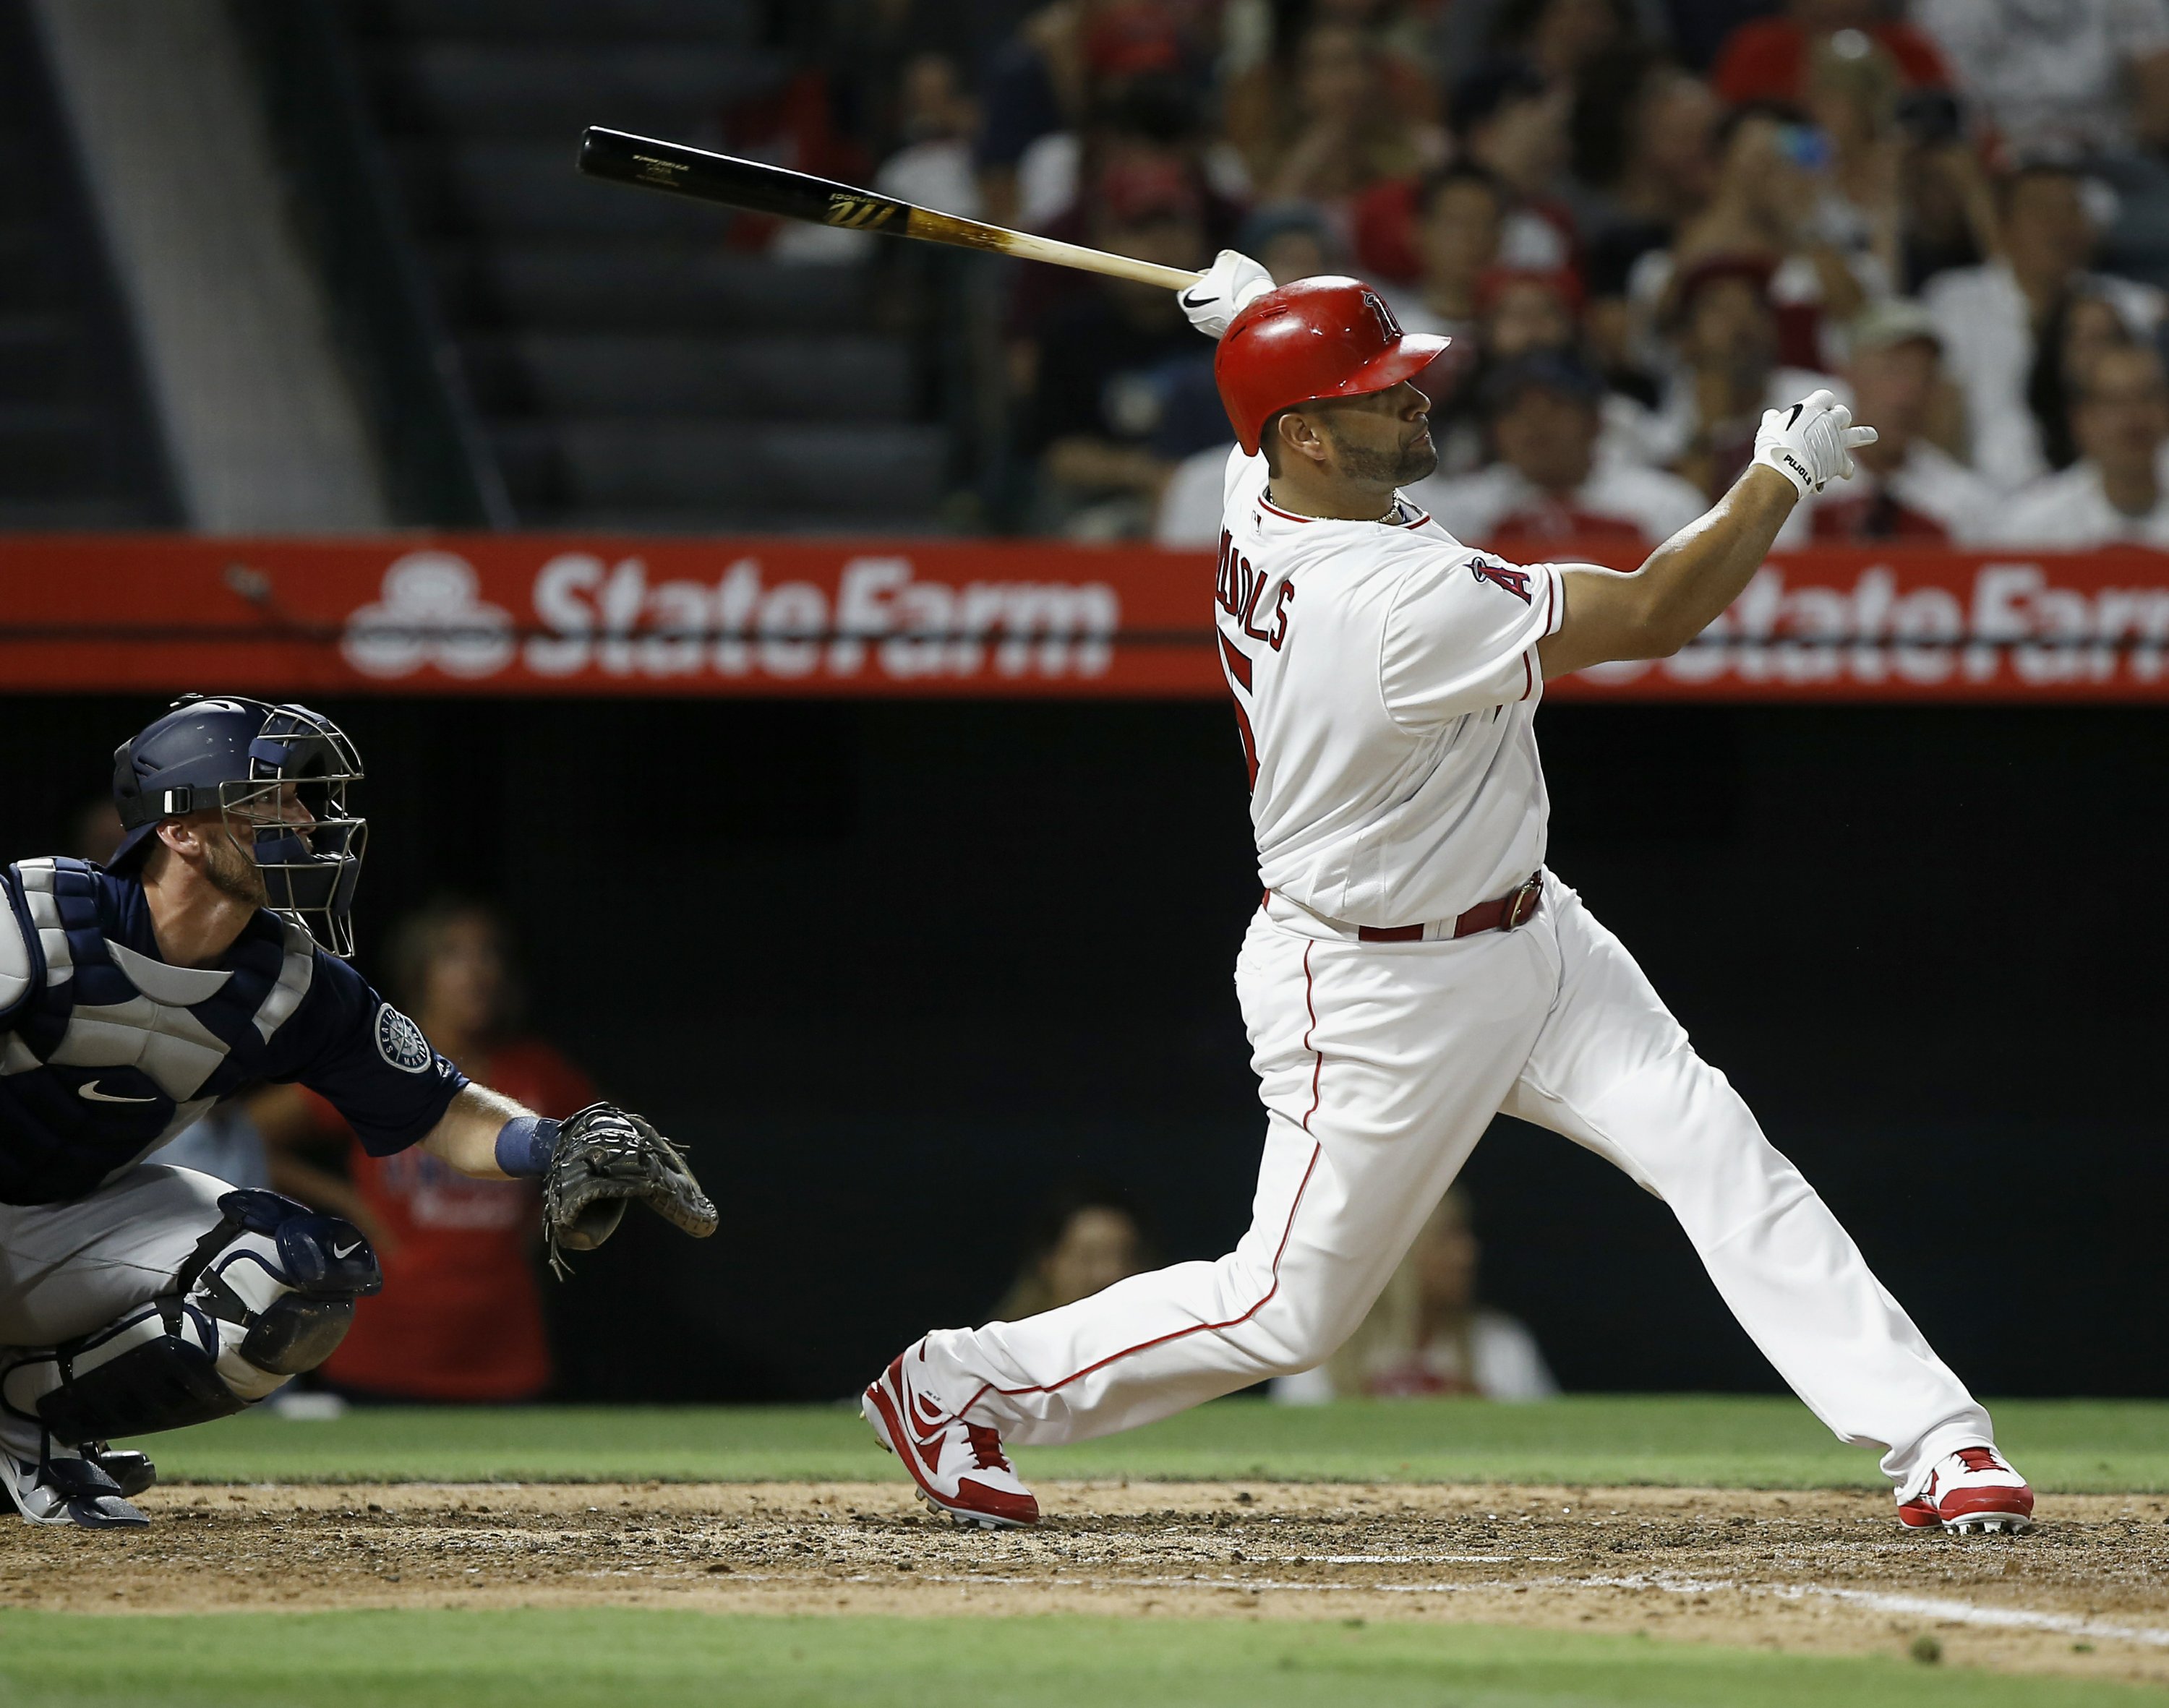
[1767,59]
[1290,241]
[1336,128]
[1461,214]
[1907,487]
[1523,309]
[1641,137]
[1548,484]
[1644,162]
[1062,60]
[1089,1238]
[1266,70]
[1427,1335]
[1105,366]
[1772,203]
[2114,493]
[1561,39]
[1146,120]
[1518,311]
[1724,340]
[1854,85]
[2078,329]
[1993,317]
[1949,216]
[461,1316]
[1510,122]
[2069,79]
[935,120]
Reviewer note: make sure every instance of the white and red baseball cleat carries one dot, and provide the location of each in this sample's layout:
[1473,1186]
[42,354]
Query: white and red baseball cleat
[958,1466]
[1972,1489]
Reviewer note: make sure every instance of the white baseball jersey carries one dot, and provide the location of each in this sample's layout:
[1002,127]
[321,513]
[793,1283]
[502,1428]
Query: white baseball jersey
[1385,679]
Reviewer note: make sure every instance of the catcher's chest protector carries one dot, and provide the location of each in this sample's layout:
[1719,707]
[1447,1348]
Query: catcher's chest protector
[110,1052]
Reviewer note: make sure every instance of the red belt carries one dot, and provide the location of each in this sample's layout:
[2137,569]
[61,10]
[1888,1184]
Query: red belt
[1510,910]
[1517,906]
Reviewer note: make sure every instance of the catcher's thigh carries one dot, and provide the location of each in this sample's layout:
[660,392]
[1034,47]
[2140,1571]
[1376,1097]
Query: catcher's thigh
[165,1299]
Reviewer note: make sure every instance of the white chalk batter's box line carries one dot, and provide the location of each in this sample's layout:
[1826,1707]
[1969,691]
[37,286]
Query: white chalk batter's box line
[1875,1600]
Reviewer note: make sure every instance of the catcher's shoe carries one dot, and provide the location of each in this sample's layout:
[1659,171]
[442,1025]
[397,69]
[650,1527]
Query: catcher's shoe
[68,1492]
[1972,1489]
[133,1472]
[958,1466]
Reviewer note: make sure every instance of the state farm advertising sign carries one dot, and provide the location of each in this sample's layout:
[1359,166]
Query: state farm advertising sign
[529,614]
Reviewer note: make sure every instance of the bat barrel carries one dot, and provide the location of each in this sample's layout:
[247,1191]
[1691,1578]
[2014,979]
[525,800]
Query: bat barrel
[625,158]
[677,170]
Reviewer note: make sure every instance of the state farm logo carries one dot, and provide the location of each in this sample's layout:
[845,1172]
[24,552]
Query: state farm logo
[2013,623]
[427,613]
[611,618]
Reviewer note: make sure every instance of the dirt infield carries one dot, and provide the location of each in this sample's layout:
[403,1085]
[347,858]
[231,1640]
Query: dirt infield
[2087,1594]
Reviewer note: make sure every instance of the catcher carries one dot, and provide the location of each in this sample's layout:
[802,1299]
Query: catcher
[209,957]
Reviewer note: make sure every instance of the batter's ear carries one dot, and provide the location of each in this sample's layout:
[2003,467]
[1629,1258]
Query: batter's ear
[1294,433]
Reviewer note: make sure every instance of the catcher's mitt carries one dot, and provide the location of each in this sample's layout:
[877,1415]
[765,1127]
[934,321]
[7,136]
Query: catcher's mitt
[605,1156]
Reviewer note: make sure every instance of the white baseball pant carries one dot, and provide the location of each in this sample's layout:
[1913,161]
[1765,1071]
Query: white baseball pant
[1380,1066]
[67,1270]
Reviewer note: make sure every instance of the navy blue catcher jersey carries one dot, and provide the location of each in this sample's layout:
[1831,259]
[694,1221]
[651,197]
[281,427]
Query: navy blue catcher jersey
[106,1052]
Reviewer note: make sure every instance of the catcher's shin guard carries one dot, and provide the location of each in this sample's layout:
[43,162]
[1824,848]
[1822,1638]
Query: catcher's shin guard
[265,1295]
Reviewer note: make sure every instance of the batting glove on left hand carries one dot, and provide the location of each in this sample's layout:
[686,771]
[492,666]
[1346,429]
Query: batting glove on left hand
[1812,442]
[1223,290]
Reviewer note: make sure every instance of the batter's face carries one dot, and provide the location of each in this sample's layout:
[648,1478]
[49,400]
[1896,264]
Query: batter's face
[1379,442]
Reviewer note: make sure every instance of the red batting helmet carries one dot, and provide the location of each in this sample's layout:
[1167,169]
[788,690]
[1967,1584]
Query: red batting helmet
[1317,337]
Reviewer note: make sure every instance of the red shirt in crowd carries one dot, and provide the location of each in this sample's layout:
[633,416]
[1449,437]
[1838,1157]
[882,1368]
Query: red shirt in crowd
[1766,59]
[461,1316]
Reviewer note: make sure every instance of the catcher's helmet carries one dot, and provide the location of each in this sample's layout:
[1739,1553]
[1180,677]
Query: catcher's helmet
[219,755]
[1315,339]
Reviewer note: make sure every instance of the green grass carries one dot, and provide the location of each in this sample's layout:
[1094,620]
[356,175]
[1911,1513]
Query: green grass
[2069,1446]
[606,1658]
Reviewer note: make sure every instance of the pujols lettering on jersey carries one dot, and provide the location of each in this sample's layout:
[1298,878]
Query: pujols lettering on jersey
[1386,680]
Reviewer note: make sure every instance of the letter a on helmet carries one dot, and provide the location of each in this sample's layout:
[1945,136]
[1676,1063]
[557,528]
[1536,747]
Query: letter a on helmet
[1315,339]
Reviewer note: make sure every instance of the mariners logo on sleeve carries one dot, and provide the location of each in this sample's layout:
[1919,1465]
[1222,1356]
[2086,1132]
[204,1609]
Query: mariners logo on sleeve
[400,1042]
[1515,581]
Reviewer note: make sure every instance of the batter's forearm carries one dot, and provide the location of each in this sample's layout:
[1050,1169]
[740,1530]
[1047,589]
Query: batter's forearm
[466,1136]
[1692,576]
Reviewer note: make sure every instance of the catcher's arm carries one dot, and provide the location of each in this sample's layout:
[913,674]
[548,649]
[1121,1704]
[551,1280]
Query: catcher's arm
[467,1137]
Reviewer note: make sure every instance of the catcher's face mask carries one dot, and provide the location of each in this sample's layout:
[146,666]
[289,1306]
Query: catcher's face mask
[291,812]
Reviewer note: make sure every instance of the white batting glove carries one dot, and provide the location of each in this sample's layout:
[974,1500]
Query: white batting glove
[1812,442]
[1223,290]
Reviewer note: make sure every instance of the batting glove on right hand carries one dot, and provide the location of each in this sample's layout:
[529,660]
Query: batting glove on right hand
[1812,442]
[1223,290]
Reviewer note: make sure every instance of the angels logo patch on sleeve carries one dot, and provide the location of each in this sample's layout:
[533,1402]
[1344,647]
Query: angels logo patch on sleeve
[400,1042]
[1515,581]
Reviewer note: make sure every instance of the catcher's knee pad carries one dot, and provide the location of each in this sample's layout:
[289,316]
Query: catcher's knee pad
[266,1293]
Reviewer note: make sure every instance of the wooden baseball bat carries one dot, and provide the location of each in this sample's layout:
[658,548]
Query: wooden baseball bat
[797,196]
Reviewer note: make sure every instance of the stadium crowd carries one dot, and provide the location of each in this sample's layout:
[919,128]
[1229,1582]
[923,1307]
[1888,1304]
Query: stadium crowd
[1643,221]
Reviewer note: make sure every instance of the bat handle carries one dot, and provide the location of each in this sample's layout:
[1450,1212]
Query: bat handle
[1030,246]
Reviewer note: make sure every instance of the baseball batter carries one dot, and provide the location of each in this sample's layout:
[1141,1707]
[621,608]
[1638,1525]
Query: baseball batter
[1414,967]
[209,958]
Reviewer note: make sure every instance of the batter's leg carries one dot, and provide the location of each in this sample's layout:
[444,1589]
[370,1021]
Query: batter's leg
[1614,1071]
[1380,1067]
